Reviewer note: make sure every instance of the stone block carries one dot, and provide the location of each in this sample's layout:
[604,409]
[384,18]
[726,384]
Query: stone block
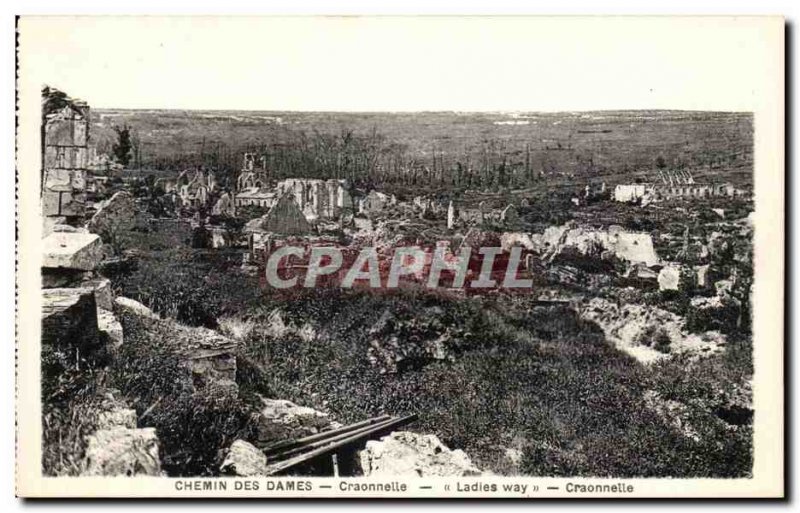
[58,180]
[69,317]
[407,454]
[78,251]
[51,203]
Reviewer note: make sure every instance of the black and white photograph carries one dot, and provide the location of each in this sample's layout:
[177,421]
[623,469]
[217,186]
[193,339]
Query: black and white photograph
[262,260]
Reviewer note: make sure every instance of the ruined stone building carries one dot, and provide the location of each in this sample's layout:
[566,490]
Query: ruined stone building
[250,177]
[194,189]
[318,199]
[283,219]
[674,184]
[628,193]
[65,141]
[225,206]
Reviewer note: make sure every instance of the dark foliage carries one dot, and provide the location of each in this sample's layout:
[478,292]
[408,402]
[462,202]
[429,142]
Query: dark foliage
[122,148]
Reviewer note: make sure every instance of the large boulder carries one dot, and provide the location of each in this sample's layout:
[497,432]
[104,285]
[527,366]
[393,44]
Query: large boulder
[103,295]
[121,451]
[407,454]
[244,459]
[115,215]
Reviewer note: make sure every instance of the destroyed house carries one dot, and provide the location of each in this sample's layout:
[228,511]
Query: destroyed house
[318,199]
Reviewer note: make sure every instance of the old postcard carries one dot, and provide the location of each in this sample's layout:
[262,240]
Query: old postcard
[527,257]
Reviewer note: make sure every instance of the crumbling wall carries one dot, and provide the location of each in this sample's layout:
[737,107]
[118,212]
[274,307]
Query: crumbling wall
[65,142]
[317,199]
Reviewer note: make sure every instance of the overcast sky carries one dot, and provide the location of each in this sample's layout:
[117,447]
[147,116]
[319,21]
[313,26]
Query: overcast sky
[402,64]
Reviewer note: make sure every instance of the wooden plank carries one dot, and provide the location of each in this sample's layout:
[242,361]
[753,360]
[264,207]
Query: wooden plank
[290,444]
[342,441]
[321,443]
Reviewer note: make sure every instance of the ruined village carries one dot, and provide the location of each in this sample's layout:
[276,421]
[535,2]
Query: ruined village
[164,353]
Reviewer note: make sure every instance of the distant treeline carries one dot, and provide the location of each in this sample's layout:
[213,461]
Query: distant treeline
[436,155]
